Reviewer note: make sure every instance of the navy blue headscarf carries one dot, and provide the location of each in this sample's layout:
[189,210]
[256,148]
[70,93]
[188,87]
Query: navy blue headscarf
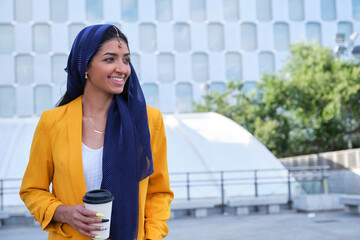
[127,157]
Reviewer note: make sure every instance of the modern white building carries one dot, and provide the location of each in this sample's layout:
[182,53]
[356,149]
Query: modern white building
[177,45]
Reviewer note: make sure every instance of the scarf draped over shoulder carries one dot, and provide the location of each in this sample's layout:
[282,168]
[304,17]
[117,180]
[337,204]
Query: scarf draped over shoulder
[127,157]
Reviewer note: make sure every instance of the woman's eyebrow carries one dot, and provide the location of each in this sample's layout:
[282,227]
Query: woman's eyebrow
[111,54]
[115,54]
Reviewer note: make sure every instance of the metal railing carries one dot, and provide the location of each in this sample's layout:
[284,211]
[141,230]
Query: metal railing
[254,178]
[221,179]
[9,186]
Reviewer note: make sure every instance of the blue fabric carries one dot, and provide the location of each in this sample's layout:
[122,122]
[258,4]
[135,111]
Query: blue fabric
[127,157]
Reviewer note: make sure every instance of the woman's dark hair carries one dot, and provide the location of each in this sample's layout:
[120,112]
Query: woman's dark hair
[110,33]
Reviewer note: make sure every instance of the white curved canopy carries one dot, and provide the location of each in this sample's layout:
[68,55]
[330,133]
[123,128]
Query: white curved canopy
[210,142]
[197,142]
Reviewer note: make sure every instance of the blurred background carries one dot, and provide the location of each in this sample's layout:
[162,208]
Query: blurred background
[260,97]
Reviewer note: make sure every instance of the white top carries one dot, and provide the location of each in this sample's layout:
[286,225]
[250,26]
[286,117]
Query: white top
[92,164]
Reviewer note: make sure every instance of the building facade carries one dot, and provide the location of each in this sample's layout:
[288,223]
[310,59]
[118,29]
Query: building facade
[177,46]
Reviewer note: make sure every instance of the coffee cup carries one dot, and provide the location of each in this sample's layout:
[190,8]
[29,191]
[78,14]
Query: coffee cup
[100,201]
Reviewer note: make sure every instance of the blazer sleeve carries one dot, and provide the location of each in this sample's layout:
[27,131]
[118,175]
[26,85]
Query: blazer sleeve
[34,190]
[159,195]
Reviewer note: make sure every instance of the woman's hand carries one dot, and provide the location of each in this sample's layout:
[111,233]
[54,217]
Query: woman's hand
[79,218]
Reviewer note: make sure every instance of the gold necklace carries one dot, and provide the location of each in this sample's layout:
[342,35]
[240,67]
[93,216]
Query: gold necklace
[95,130]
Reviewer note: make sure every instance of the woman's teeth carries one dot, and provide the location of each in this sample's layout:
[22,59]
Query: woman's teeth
[117,79]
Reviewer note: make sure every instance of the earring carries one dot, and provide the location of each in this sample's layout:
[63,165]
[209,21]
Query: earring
[86,75]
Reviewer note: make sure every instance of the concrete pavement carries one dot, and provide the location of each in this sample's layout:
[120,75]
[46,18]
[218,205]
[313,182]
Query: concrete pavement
[287,225]
[284,226]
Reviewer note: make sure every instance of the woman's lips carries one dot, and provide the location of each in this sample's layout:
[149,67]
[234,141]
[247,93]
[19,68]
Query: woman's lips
[118,80]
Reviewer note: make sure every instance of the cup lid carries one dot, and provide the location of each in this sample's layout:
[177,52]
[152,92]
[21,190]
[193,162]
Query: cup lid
[98,196]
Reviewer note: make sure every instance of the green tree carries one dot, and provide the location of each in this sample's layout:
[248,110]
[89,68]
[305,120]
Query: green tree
[310,106]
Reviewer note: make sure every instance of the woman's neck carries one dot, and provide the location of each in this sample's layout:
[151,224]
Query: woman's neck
[96,104]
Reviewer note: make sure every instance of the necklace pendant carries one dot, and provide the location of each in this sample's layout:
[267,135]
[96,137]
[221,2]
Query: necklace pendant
[95,130]
[98,132]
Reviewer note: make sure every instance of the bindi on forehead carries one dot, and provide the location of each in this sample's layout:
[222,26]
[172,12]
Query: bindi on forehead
[112,46]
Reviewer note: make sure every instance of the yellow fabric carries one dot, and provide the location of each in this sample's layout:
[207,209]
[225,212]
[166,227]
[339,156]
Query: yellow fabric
[56,158]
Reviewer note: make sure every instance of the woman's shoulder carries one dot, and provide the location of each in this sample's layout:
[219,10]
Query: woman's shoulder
[50,119]
[60,112]
[151,111]
[55,113]
[154,117]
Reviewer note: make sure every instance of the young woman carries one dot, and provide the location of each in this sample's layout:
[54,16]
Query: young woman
[102,135]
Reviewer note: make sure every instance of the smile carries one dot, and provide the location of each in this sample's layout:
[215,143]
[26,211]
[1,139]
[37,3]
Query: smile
[117,79]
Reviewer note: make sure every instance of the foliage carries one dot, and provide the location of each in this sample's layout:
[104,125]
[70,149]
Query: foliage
[310,106]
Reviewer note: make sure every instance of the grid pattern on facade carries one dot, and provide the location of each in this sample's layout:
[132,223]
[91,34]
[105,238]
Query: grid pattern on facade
[177,45]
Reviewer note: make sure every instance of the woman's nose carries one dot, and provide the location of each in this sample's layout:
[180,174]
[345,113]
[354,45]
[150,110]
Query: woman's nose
[121,67]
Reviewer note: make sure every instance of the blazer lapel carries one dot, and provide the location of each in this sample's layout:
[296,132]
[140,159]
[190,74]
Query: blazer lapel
[74,126]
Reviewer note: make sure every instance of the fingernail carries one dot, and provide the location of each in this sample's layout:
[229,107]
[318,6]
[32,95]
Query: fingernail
[103,228]
[98,237]
[100,215]
[104,220]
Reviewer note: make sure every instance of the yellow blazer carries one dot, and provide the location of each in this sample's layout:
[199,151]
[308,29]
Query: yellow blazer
[56,157]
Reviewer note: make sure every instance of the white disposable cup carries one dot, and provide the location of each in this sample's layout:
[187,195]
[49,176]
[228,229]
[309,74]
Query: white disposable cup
[100,201]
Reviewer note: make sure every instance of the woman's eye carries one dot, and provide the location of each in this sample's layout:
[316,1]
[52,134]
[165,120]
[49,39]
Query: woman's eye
[109,59]
[127,60]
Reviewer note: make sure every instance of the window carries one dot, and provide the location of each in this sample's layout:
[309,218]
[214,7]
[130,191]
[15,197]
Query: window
[129,10]
[7,101]
[356,9]
[7,38]
[41,36]
[296,10]
[231,10]
[248,36]
[233,66]
[74,29]
[313,32]
[184,97]
[59,10]
[24,69]
[281,36]
[197,10]
[166,71]
[23,10]
[215,37]
[42,99]
[163,10]
[135,61]
[58,64]
[200,67]
[264,10]
[218,87]
[147,37]
[266,63]
[328,10]
[151,93]
[345,28]
[181,37]
[94,10]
